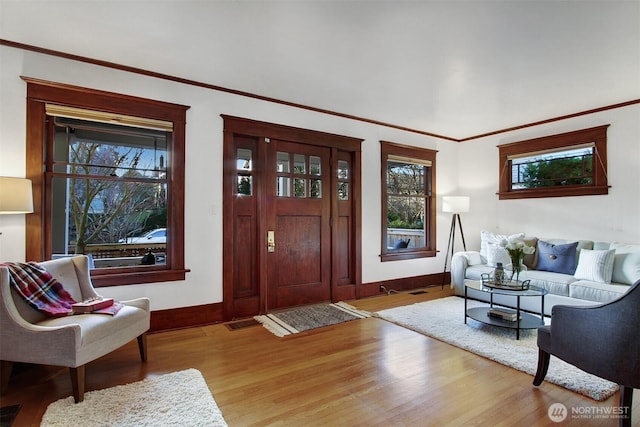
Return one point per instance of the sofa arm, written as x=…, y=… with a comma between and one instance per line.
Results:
x=459, y=264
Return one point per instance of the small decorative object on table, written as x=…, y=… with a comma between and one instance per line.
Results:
x=512, y=285
x=498, y=273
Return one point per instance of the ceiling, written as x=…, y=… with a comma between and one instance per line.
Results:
x=457, y=68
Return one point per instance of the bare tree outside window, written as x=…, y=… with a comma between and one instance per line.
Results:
x=113, y=186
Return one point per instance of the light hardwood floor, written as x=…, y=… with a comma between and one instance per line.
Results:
x=363, y=373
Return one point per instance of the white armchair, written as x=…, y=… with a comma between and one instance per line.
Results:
x=27, y=335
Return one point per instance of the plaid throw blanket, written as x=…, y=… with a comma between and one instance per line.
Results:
x=39, y=289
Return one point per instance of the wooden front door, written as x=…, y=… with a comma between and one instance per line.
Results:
x=291, y=219
x=298, y=194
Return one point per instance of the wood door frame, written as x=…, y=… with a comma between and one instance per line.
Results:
x=261, y=132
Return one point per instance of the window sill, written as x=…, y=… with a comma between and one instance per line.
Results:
x=399, y=256
x=104, y=279
x=554, y=192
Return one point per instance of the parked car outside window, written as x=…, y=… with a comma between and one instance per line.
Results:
x=158, y=235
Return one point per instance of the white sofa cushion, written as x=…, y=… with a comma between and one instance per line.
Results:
x=596, y=291
x=626, y=263
x=595, y=265
x=555, y=283
x=497, y=254
x=487, y=237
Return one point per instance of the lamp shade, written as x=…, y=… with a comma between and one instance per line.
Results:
x=16, y=196
x=455, y=204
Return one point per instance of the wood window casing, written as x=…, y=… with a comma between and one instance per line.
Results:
x=38, y=224
x=391, y=150
x=596, y=136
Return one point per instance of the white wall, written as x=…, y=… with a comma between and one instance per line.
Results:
x=469, y=168
x=203, y=197
x=612, y=217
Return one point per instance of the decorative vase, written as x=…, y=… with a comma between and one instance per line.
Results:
x=516, y=271
x=498, y=274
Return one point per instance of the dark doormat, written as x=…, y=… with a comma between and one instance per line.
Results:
x=241, y=324
x=418, y=292
x=8, y=415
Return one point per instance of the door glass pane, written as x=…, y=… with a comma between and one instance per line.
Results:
x=343, y=190
x=245, y=185
x=343, y=169
x=283, y=186
x=244, y=159
x=282, y=162
x=314, y=166
x=299, y=165
x=300, y=186
x=316, y=189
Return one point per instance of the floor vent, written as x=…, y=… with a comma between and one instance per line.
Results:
x=241, y=324
x=418, y=292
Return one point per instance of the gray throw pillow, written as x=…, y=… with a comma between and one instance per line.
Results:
x=557, y=258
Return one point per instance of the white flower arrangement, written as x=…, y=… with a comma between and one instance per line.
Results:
x=517, y=249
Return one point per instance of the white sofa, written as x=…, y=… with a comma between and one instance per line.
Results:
x=619, y=263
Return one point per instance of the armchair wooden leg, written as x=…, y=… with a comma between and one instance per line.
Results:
x=543, y=365
x=626, y=400
x=5, y=373
x=77, y=383
x=142, y=346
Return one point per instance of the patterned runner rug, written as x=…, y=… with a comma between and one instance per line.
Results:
x=309, y=317
x=443, y=319
x=177, y=399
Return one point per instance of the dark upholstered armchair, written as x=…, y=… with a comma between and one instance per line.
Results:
x=603, y=340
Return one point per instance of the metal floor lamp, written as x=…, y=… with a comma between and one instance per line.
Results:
x=455, y=205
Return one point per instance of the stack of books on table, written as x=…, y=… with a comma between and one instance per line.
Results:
x=502, y=313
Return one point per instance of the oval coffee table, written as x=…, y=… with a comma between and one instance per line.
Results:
x=523, y=320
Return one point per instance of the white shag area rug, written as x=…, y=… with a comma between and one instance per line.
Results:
x=177, y=399
x=443, y=319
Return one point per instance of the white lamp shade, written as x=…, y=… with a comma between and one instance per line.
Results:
x=16, y=196
x=455, y=204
